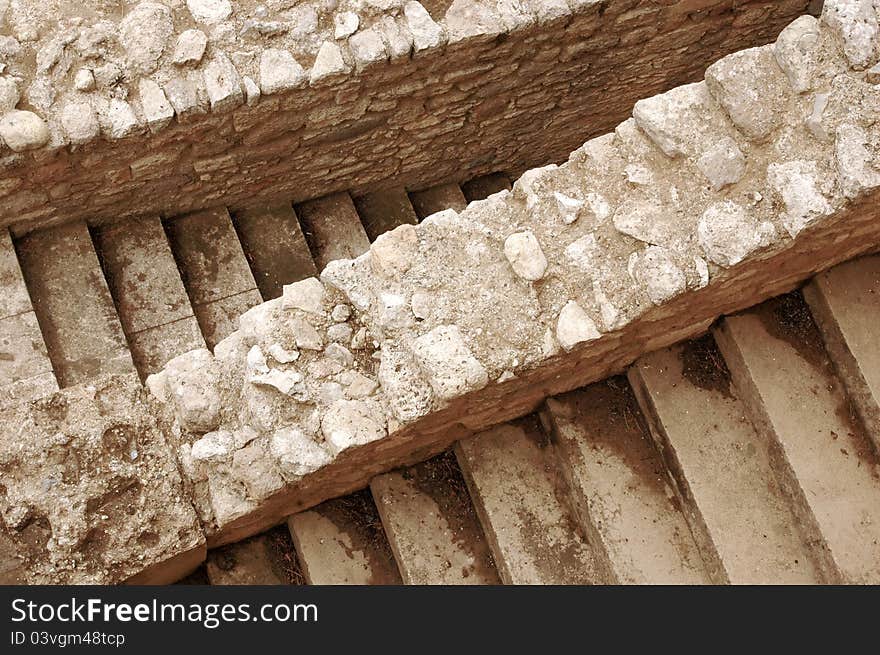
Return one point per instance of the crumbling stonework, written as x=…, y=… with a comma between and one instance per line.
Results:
x=472, y=318
x=176, y=106
x=90, y=492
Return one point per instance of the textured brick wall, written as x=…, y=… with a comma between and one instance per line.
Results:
x=475, y=105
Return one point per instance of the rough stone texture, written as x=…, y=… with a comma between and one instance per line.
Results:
x=269, y=90
x=448, y=340
x=89, y=497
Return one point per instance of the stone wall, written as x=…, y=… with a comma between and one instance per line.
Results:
x=402, y=101
x=713, y=197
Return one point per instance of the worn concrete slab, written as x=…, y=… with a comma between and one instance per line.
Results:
x=722, y=467
x=76, y=312
x=436, y=199
x=333, y=228
x=155, y=347
x=14, y=298
x=275, y=247
x=432, y=526
x=382, y=211
x=825, y=458
x=266, y=559
x=485, y=185
x=620, y=488
x=342, y=542
x=516, y=488
x=845, y=303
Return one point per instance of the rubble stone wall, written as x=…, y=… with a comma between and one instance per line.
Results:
x=176, y=107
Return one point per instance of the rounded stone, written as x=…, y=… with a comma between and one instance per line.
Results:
x=143, y=33
x=23, y=130
x=525, y=256
x=209, y=11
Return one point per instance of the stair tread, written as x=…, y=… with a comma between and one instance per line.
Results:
x=432, y=528
x=77, y=316
x=779, y=364
x=620, y=488
x=514, y=484
x=845, y=301
x=385, y=210
x=436, y=199
x=722, y=467
x=275, y=247
x=341, y=541
x=333, y=228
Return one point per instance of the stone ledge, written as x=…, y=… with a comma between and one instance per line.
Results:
x=713, y=198
x=299, y=113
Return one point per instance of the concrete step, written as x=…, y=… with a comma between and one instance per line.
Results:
x=825, y=459
x=385, y=210
x=845, y=302
x=333, y=229
x=214, y=269
x=431, y=525
x=267, y=559
x=153, y=307
x=436, y=199
x=620, y=488
x=722, y=468
x=25, y=369
x=342, y=541
x=512, y=475
x=77, y=317
x=484, y=186
x=275, y=247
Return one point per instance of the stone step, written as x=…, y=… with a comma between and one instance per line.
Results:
x=76, y=314
x=484, y=186
x=512, y=475
x=845, y=302
x=382, y=211
x=825, y=459
x=25, y=369
x=342, y=541
x=275, y=247
x=155, y=311
x=333, y=228
x=722, y=468
x=214, y=269
x=436, y=199
x=620, y=488
x=267, y=559
x=431, y=525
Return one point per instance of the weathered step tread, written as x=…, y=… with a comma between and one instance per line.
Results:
x=484, y=186
x=14, y=298
x=142, y=274
x=723, y=469
x=84, y=337
x=845, y=301
x=620, y=487
x=384, y=210
x=436, y=199
x=266, y=559
x=153, y=305
x=333, y=228
x=155, y=347
x=275, y=247
x=214, y=269
x=22, y=350
x=511, y=474
x=431, y=525
x=342, y=541
x=779, y=365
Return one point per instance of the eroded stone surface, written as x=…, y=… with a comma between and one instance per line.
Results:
x=89, y=496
